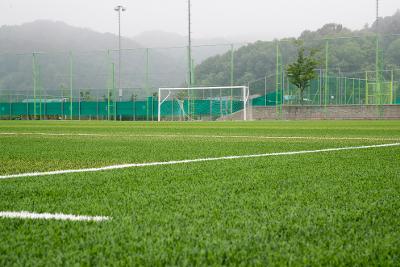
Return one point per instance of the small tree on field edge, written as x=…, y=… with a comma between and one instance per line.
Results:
x=302, y=71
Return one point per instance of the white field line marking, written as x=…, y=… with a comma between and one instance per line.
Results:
x=124, y=166
x=210, y=136
x=48, y=216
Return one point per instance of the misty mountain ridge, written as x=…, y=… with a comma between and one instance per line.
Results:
x=351, y=55
x=202, y=48
x=158, y=38
x=49, y=36
x=91, y=62
x=167, y=67
x=55, y=36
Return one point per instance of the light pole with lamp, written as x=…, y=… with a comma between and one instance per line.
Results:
x=119, y=9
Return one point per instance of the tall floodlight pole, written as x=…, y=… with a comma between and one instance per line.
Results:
x=189, y=44
x=377, y=14
x=119, y=9
x=377, y=63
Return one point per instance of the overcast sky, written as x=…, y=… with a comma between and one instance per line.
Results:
x=263, y=19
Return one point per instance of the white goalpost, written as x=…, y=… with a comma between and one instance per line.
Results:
x=203, y=103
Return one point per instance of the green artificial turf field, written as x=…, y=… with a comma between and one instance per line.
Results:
x=326, y=208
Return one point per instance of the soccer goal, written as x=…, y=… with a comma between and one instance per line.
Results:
x=203, y=103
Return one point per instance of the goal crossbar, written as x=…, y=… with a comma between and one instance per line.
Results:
x=201, y=88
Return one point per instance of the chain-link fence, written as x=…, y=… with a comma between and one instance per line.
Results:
x=123, y=85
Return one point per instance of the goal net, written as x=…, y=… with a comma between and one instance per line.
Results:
x=203, y=103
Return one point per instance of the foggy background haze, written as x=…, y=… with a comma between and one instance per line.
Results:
x=56, y=45
x=233, y=19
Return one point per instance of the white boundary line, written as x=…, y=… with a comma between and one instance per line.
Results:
x=209, y=136
x=125, y=166
x=48, y=216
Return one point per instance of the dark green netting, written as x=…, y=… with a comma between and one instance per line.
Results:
x=266, y=100
x=139, y=110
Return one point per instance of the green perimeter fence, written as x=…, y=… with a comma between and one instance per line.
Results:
x=353, y=70
x=325, y=91
x=135, y=110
